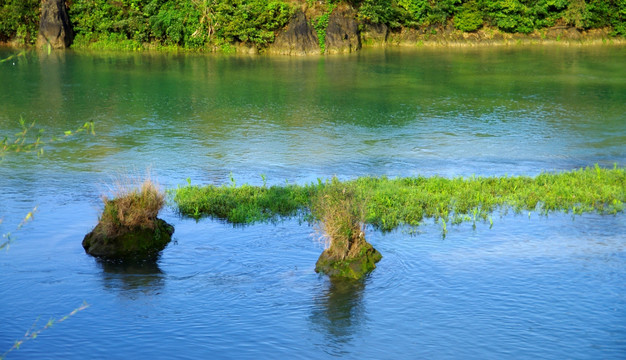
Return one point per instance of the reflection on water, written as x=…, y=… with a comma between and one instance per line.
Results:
x=132, y=278
x=338, y=312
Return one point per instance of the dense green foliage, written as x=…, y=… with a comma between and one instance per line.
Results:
x=390, y=203
x=523, y=16
x=197, y=24
x=19, y=21
x=191, y=24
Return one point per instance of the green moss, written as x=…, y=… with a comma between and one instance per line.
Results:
x=352, y=268
x=130, y=244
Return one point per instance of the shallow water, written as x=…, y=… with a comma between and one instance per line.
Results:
x=530, y=287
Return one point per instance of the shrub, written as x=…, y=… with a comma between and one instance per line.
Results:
x=19, y=20
x=511, y=15
x=184, y=23
x=378, y=12
x=251, y=21
x=469, y=18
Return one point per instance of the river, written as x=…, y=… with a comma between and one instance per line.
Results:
x=529, y=287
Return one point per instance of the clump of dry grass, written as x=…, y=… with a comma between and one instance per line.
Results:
x=342, y=219
x=135, y=204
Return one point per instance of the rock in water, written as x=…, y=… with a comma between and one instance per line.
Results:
x=129, y=244
x=54, y=25
x=353, y=268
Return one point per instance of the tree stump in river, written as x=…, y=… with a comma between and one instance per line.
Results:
x=349, y=266
x=140, y=243
x=128, y=228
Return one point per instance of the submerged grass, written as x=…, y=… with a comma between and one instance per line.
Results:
x=396, y=202
x=244, y=204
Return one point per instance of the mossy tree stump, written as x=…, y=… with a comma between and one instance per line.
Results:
x=139, y=243
x=128, y=228
x=354, y=267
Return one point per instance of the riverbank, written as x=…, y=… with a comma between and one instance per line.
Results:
x=304, y=27
x=449, y=37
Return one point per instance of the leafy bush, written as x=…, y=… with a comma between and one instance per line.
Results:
x=416, y=10
x=184, y=23
x=19, y=20
x=443, y=10
x=469, y=18
x=251, y=21
x=378, y=12
x=510, y=15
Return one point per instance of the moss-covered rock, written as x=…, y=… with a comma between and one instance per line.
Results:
x=354, y=267
x=138, y=243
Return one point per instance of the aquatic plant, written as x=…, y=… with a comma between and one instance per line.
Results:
x=395, y=202
x=32, y=334
x=245, y=204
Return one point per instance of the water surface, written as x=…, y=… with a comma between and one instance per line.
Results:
x=530, y=287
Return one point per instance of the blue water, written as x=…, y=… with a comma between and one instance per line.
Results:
x=529, y=287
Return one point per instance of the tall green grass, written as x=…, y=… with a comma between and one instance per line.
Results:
x=393, y=202
x=342, y=218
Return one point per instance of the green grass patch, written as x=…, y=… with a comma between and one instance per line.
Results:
x=245, y=204
x=390, y=203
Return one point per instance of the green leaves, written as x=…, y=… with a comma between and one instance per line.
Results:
x=189, y=24
x=19, y=20
x=470, y=18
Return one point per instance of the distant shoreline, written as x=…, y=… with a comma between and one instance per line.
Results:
x=404, y=38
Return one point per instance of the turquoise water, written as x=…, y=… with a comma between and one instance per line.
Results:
x=530, y=287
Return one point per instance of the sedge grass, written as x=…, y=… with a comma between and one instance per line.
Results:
x=342, y=220
x=135, y=204
x=395, y=202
